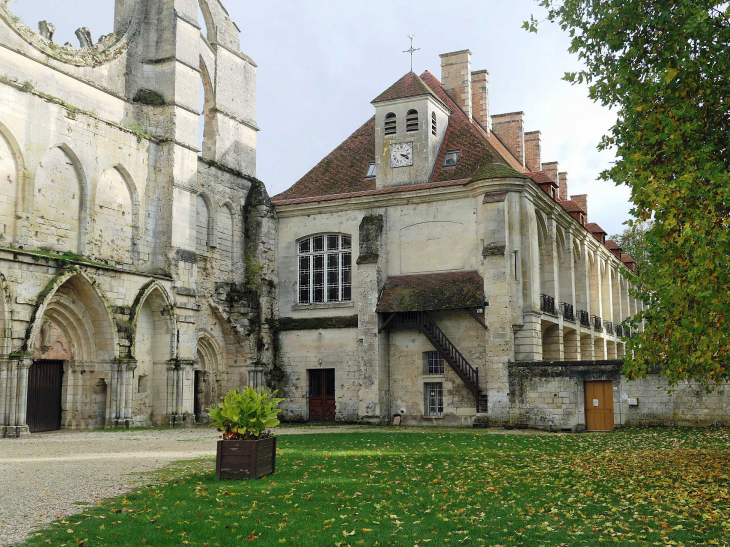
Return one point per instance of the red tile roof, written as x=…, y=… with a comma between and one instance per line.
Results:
x=278, y=200
x=611, y=244
x=426, y=292
x=571, y=206
x=409, y=85
x=343, y=170
x=594, y=228
x=541, y=177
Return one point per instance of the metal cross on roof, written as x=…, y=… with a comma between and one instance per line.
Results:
x=411, y=50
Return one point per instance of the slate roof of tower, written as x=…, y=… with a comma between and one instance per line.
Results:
x=343, y=170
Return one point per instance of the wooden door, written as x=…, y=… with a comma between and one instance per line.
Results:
x=599, y=406
x=197, y=395
x=322, y=395
x=45, y=379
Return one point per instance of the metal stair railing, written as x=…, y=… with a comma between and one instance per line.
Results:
x=424, y=323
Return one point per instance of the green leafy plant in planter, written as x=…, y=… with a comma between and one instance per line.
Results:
x=247, y=448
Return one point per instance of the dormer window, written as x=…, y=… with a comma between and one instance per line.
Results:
x=451, y=157
x=390, y=124
x=371, y=171
x=412, y=121
x=433, y=123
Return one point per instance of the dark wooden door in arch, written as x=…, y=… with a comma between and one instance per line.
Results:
x=45, y=384
x=322, y=395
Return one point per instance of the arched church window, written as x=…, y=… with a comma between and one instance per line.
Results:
x=324, y=269
x=412, y=120
x=433, y=123
x=390, y=120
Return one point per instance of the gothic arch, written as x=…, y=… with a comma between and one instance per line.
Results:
x=5, y=317
x=83, y=188
x=226, y=233
x=132, y=237
x=208, y=111
x=204, y=223
x=210, y=358
x=10, y=213
x=79, y=310
x=157, y=292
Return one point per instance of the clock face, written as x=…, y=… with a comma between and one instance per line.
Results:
x=401, y=154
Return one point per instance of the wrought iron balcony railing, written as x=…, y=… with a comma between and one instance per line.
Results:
x=597, y=323
x=547, y=304
x=609, y=327
x=568, y=314
x=620, y=331
x=584, y=319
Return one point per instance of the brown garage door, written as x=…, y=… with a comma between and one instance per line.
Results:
x=599, y=406
x=44, y=396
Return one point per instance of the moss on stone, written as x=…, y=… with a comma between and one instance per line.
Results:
x=496, y=171
x=316, y=323
x=149, y=97
x=371, y=230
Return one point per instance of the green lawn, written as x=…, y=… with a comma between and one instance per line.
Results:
x=442, y=487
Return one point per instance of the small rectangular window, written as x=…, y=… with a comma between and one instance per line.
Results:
x=371, y=171
x=434, y=363
x=318, y=244
x=434, y=399
x=451, y=157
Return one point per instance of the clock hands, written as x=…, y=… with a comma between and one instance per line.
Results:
x=405, y=156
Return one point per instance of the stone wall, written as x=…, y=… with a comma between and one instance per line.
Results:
x=550, y=395
x=143, y=263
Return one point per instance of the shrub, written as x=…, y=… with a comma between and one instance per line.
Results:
x=245, y=415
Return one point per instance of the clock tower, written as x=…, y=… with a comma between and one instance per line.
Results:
x=410, y=124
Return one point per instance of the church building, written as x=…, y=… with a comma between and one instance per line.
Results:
x=432, y=269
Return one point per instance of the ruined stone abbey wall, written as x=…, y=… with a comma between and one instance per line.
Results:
x=132, y=248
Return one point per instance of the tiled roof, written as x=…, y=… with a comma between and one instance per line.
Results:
x=426, y=292
x=409, y=85
x=571, y=206
x=626, y=258
x=343, y=170
x=611, y=244
x=278, y=200
x=594, y=228
x=540, y=177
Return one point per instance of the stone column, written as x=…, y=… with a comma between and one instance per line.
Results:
x=67, y=394
x=4, y=364
x=171, y=393
x=21, y=427
x=112, y=393
x=11, y=430
x=129, y=399
x=373, y=352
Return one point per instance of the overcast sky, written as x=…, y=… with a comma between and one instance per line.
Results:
x=321, y=62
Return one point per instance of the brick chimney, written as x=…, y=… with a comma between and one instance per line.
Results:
x=563, y=181
x=582, y=200
x=532, y=151
x=456, y=78
x=480, y=98
x=551, y=170
x=510, y=128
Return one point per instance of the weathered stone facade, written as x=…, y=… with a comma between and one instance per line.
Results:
x=470, y=196
x=143, y=263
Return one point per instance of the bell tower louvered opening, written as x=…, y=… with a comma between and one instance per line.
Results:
x=412, y=121
x=390, y=124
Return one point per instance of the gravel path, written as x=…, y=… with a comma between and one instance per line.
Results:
x=51, y=475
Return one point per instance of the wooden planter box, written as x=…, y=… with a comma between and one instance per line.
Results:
x=245, y=459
